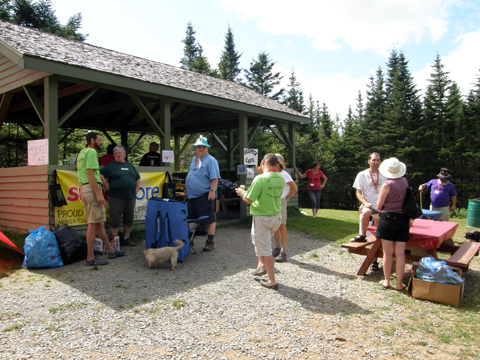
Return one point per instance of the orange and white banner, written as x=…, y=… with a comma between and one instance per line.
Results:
x=151, y=185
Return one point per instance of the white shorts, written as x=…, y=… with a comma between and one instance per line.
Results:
x=263, y=228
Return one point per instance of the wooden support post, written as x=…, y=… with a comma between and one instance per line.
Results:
x=165, y=125
x=50, y=116
x=243, y=143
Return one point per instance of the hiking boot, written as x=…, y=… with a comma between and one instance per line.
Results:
x=282, y=257
x=116, y=254
x=97, y=262
x=266, y=284
x=276, y=251
x=260, y=271
x=128, y=242
x=208, y=246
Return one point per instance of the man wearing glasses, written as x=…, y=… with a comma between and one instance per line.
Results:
x=201, y=186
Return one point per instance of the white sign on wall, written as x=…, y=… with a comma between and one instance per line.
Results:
x=167, y=156
x=37, y=152
x=250, y=157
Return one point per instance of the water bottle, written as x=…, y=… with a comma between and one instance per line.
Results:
x=72, y=160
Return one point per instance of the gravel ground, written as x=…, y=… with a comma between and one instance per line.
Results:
x=210, y=307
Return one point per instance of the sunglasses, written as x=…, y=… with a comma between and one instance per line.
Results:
x=200, y=147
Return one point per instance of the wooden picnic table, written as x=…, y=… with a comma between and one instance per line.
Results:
x=428, y=235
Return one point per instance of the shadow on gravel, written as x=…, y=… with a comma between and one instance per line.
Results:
x=320, y=269
x=321, y=304
x=127, y=282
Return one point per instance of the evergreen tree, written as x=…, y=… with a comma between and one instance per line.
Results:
x=190, y=50
x=326, y=125
x=294, y=97
x=41, y=16
x=201, y=64
x=230, y=60
x=375, y=116
x=261, y=78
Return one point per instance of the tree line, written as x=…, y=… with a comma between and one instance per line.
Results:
x=438, y=129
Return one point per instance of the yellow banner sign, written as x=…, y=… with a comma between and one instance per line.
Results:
x=72, y=214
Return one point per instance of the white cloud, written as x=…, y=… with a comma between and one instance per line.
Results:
x=337, y=91
x=377, y=25
x=462, y=64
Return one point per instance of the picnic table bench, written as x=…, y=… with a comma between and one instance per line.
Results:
x=428, y=235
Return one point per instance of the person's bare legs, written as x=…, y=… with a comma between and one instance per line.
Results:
x=388, y=248
x=211, y=229
x=282, y=236
x=114, y=231
x=126, y=231
x=91, y=233
x=314, y=212
x=100, y=229
x=400, y=263
x=364, y=220
x=269, y=263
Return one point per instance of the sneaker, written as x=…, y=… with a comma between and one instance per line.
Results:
x=276, y=251
x=97, y=262
x=260, y=271
x=282, y=257
x=209, y=246
x=128, y=242
x=116, y=254
x=266, y=284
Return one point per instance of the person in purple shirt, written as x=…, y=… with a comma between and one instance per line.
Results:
x=441, y=190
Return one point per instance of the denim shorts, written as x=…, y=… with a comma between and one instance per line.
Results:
x=393, y=227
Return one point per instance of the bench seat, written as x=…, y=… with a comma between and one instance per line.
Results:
x=357, y=245
x=462, y=257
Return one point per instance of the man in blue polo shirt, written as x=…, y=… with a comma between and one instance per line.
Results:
x=441, y=190
x=201, y=186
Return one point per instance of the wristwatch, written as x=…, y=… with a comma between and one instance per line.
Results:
x=212, y=189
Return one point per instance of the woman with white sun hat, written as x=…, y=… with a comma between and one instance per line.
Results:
x=393, y=227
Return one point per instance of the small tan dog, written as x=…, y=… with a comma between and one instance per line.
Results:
x=164, y=254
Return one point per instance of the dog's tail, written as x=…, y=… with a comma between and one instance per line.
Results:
x=180, y=244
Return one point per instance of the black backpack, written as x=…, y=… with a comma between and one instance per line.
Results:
x=410, y=207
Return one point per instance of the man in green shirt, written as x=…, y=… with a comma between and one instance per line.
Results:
x=93, y=200
x=264, y=197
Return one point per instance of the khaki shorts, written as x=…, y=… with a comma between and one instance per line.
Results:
x=93, y=214
x=263, y=228
x=284, y=211
x=445, y=212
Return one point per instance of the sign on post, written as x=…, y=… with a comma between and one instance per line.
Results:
x=37, y=152
x=250, y=157
x=167, y=156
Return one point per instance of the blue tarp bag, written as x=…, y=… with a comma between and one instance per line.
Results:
x=41, y=250
x=432, y=270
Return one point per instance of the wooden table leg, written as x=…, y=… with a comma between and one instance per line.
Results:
x=369, y=258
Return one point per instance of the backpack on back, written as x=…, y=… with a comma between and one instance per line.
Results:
x=410, y=207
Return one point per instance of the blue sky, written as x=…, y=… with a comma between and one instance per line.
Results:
x=333, y=46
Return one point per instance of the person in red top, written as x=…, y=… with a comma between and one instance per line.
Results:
x=314, y=186
x=107, y=159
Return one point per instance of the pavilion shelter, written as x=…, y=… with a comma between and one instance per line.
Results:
x=55, y=83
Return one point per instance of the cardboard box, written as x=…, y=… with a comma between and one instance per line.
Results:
x=436, y=292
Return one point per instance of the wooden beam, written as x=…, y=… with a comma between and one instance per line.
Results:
x=67, y=134
x=189, y=140
x=256, y=125
x=28, y=132
x=4, y=105
x=138, y=139
x=77, y=106
x=51, y=117
x=61, y=93
x=219, y=141
x=243, y=143
x=165, y=124
x=292, y=153
x=35, y=101
x=284, y=135
x=145, y=113
x=108, y=137
x=277, y=136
